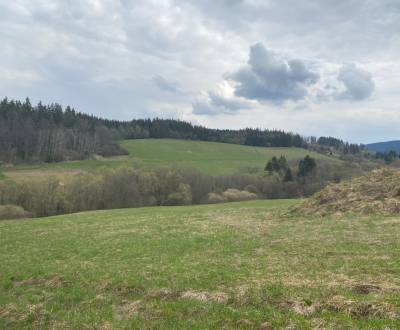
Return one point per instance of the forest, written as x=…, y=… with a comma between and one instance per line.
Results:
x=51, y=133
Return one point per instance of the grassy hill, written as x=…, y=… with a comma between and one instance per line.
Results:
x=209, y=157
x=240, y=265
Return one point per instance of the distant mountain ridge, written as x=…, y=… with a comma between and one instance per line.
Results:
x=384, y=146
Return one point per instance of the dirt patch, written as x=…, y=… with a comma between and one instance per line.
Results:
x=375, y=193
x=206, y=297
x=48, y=282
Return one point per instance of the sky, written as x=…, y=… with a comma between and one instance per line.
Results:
x=314, y=67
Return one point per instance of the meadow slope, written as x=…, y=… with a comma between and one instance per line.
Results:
x=209, y=157
x=238, y=265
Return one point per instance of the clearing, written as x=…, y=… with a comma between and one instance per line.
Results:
x=209, y=157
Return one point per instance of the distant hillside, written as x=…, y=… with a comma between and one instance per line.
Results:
x=209, y=157
x=384, y=146
x=51, y=133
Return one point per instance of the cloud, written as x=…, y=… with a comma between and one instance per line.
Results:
x=269, y=77
x=221, y=101
x=123, y=59
x=217, y=105
x=358, y=83
x=165, y=85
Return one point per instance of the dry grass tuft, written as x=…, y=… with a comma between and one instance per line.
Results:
x=375, y=193
x=366, y=288
x=299, y=307
x=127, y=309
x=245, y=323
x=204, y=296
x=163, y=294
x=340, y=304
x=265, y=326
x=358, y=309
x=48, y=282
x=12, y=314
x=105, y=326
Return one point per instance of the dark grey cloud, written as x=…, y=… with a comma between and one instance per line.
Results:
x=358, y=83
x=269, y=77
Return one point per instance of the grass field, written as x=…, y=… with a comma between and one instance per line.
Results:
x=209, y=157
x=240, y=265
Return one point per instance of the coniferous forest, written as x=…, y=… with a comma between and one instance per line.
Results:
x=51, y=133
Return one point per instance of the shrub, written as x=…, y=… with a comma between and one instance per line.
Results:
x=233, y=195
x=216, y=198
x=13, y=212
x=181, y=197
x=252, y=189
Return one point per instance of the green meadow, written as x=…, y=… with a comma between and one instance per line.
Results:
x=209, y=157
x=248, y=265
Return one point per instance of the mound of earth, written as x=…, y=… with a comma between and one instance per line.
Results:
x=376, y=192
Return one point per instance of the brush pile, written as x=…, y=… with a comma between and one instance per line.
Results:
x=378, y=192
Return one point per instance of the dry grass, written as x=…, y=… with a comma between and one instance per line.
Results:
x=375, y=193
x=13, y=212
x=41, y=174
x=127, y=309
x=49, y=282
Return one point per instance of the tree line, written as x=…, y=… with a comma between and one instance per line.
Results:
x=388, y=156
x=51, y=133
x=281, y=167
x=130, y=186
x=339, y=145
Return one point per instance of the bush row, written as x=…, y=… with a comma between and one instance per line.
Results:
x=134, y=187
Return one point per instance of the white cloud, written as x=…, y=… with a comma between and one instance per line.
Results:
x=111, y=58
x=358, y=83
